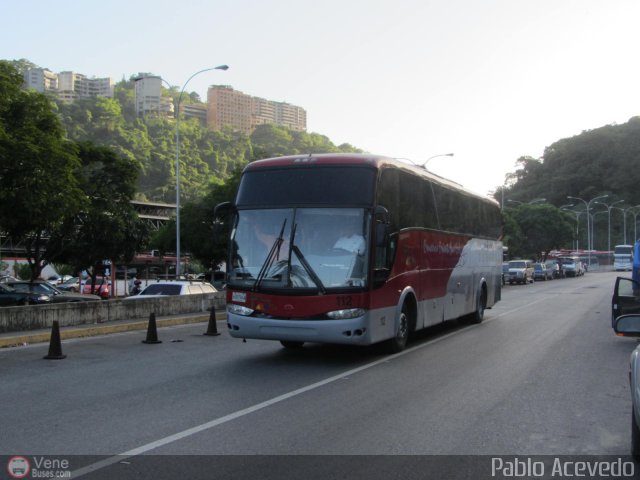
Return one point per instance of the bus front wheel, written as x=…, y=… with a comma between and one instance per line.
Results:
x=399, y=341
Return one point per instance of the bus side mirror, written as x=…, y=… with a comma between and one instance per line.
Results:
x=223, y=208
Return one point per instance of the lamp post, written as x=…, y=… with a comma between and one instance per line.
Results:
x=177, y=114
x=577, y=214
x=624, y=220
x=593, y=228
x=609, y=206
x=623, y=213
x=588, y=205
x=424, y=165
x=635, y=214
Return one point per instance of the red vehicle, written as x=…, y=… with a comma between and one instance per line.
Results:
x=356, y=249
x=102, y=287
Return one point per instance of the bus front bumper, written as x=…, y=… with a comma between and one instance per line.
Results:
x=352, y=331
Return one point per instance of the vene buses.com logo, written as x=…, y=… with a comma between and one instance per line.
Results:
x=18, y=467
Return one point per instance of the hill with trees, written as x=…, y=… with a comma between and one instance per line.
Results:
x=149, y=141
x=602, y=161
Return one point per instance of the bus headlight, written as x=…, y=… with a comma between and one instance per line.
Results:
x=345, y=314
x=239, y=309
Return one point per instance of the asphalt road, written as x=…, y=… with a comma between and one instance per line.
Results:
x=542, y=375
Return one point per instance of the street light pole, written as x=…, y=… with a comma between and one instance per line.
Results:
x=624, y=220
x=424, y=165
x=635, y=214
x=177, y=115
x=588, y=206
x=609, y=208
x=577, y=214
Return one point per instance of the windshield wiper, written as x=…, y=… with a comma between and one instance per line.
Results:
x=273, y=253
x=303, y=261
x=309, y=269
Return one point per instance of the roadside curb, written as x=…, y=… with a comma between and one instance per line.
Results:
x=79, y=331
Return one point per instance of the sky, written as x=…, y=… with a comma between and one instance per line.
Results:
x=487, y=80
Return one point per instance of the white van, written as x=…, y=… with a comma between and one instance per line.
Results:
x=572, y=266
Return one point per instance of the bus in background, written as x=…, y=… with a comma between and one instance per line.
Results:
x=623, y=258
x=356, y=249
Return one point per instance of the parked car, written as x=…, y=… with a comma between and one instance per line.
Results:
x=56, y=295
x=57, y=279
x=553, y=266
x=72, y=284
x=11, y=297
x=520, y=271
x=629, y=326
x=541, y=272
x=102, y=287
x=174, y=287
x=217, y=279
x=572, y=266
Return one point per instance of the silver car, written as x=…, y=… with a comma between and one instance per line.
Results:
x=520, y=271
x=629, y=326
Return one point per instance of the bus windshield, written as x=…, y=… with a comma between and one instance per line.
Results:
x=300, y=249
x=623, y=250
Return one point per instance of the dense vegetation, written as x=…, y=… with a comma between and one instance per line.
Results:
x=62, y=200
x=69, y=170
x=603, y=161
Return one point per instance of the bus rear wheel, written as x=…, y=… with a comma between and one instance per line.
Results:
x=291, y=344
x=481, y=305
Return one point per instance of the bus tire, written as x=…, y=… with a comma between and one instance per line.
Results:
x=399, y=341
x=291, y=344
x=481, y=305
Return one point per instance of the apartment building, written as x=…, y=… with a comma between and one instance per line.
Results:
x=73, y=85
x=40, y=79
x=149, y=99
x=229, y=107
x=225, y=106
x=286, y=115
x=68, y=85
x=195, y=110
x=148, y=96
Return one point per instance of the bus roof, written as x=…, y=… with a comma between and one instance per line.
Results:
x=375, y=161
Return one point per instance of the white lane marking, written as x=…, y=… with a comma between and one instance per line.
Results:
x=280, y=398
x=246, y=411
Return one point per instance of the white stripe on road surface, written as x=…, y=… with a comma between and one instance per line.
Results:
x=280, y=398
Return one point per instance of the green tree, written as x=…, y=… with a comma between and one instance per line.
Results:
x=197, y=226
x=108, y=228
x=38, y=187
x=537, y=229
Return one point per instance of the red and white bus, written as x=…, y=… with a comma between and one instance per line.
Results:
x=356, y=249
